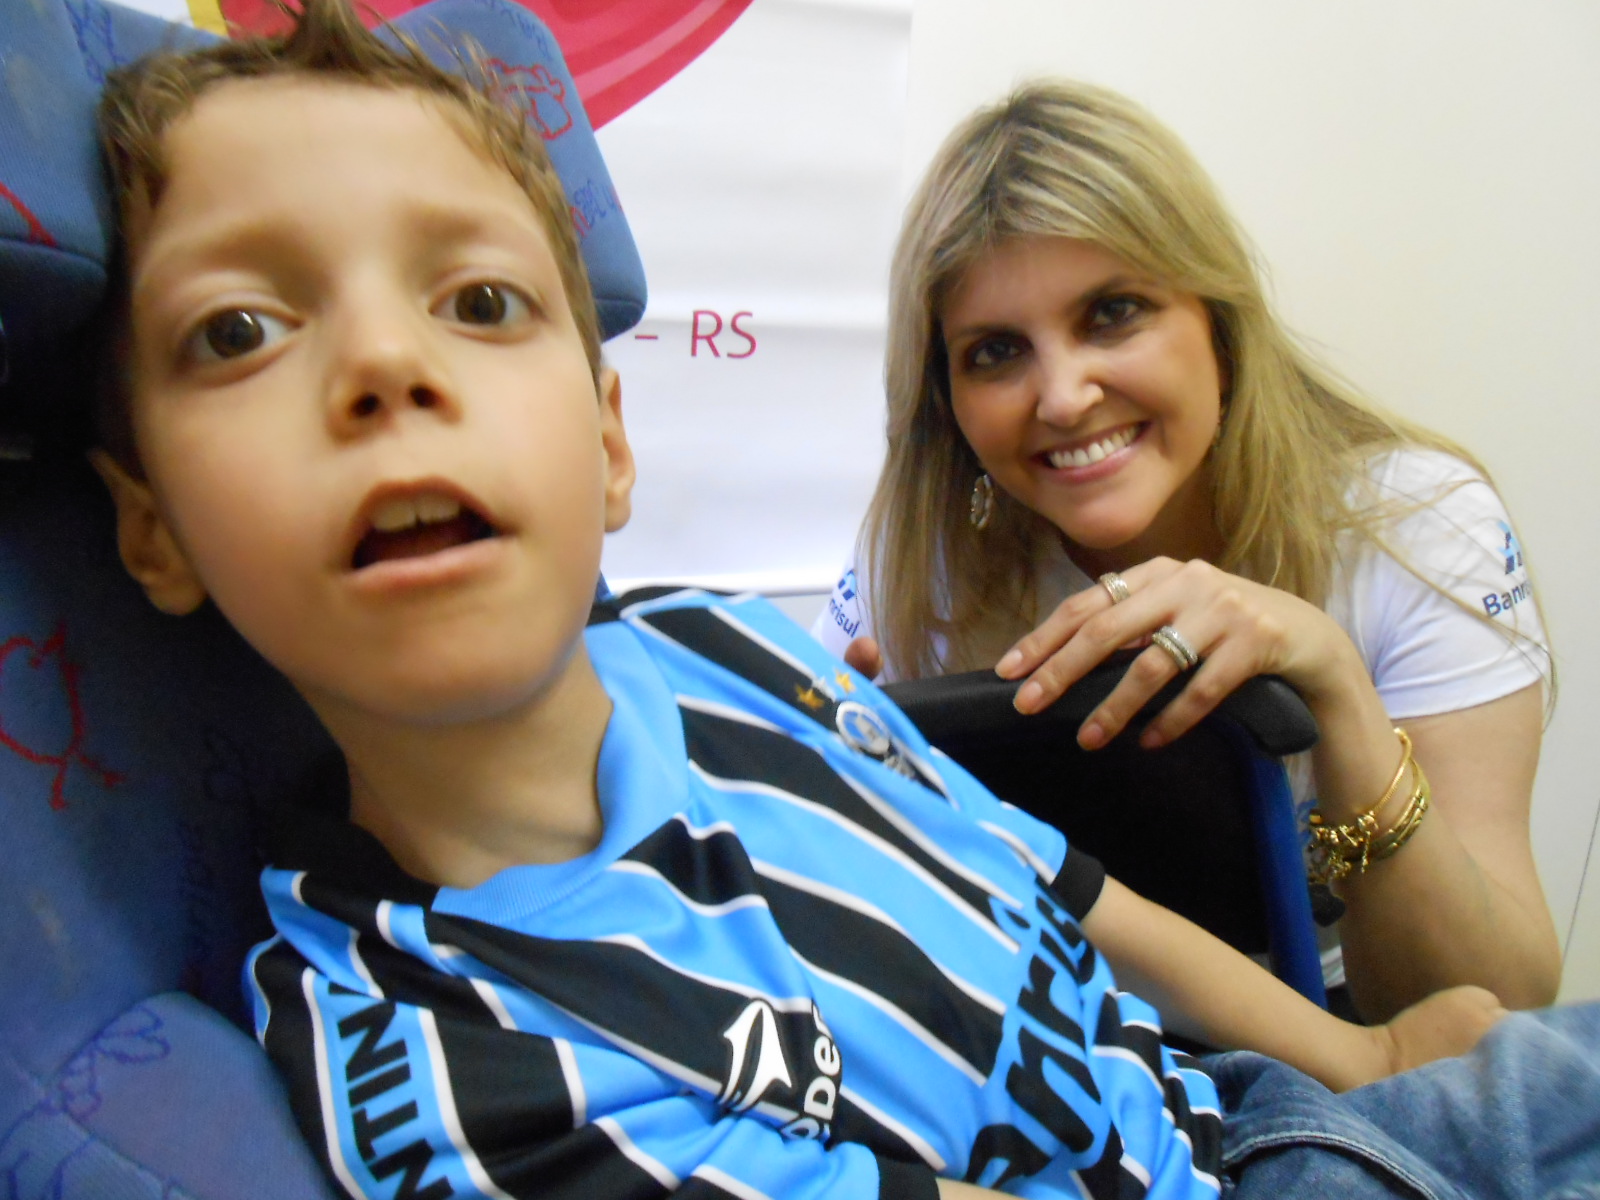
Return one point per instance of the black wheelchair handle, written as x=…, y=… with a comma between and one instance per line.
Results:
x=952, y=710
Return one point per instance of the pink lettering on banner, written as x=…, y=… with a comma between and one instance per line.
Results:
x=710, y=339
x=714, y=329
x=36, y=670
x=733, y=324
x=37, y=233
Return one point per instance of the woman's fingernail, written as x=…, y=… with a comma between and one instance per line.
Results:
x=1151, y=739
x=1007, y=665
x=1092, y=736
x=1028, y=697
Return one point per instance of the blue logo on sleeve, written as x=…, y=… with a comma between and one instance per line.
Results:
x=1512, y=549
x=1496, y=603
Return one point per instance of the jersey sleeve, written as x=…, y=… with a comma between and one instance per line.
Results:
x=431, y=1096
x=1443, y=611
x=844, y=617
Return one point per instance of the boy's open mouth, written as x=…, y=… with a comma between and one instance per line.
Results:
x=416, y=524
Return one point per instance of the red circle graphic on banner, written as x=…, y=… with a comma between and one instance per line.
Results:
x=619, y=51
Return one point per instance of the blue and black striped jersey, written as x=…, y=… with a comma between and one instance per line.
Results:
x=810, y=957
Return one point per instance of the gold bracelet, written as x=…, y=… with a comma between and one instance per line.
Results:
x=1337, y=850
x=1399, y=772
x=1406, y=825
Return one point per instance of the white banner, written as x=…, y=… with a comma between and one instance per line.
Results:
x=762, y=186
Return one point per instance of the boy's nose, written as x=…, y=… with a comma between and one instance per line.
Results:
x=384, y=370
x=371, y=404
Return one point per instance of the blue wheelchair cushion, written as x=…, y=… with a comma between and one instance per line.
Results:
x=138, y=751
x=93, y=1122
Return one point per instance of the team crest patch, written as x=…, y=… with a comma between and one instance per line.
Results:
x=864, y=730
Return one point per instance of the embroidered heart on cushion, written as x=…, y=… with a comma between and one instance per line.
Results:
x=41, y=711
x=38, y=699
x=619, y=51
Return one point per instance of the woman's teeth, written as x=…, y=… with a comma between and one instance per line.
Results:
x=1082, y=456
x=403, y=512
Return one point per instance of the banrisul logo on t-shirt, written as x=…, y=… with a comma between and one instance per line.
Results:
x=842, y=606
x=1516, y=588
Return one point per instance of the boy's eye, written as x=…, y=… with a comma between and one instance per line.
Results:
x=485, y=304
x=233, y=333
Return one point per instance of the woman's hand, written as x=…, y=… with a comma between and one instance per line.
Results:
x=1237, y=627
x=1462, y=903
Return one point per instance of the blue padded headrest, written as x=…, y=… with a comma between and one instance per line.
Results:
x=55, y=213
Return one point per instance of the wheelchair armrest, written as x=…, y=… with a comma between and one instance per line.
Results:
x=975, y=706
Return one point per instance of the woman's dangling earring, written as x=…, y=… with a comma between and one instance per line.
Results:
x=981, y=509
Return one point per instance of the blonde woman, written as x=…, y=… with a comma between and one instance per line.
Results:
x=1099, y=434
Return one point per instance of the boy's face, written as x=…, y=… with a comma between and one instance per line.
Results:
x=362, y=404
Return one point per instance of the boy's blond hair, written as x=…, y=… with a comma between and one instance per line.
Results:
x=141, y=102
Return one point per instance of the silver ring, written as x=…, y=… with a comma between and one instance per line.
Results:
x=1116, y=586
x=1176, y=645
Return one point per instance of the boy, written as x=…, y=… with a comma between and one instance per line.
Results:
x=654, y=896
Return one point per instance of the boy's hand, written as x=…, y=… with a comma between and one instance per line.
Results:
x=1443, y=1025
x=863, y=654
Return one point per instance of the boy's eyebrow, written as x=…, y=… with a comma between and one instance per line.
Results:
x=454, y=224
x=250, y=240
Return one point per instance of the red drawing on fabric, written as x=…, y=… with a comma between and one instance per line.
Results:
x=619, y=51
x=37, y=233
x=534, y=92
x=43, y=668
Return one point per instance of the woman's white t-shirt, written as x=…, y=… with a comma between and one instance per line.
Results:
x=1418, y=630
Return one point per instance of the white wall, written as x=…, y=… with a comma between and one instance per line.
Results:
x=1424, y=180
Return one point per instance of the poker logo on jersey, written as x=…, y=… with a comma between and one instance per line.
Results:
x=758, y=1064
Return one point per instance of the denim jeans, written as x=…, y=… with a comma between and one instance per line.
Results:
x=1517, y=1119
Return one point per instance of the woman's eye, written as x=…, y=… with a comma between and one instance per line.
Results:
x=486, y=304
x=233, y=333
x=991, y=352
x=1112, y=312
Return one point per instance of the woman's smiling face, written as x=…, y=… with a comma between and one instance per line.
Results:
x=1091, y=393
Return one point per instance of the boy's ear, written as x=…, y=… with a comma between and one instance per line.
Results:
x=615, y=451
x=149, y=551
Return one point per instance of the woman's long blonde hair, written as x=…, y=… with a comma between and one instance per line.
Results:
x=1062, y=159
